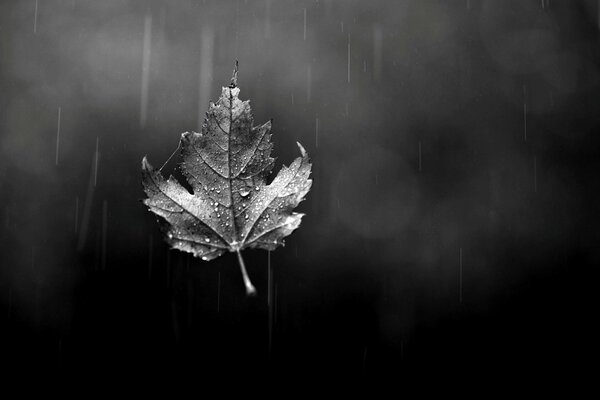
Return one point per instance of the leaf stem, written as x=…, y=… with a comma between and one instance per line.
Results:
x=250, y=290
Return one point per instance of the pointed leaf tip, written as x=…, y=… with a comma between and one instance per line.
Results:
x=186, y=135
x=234, y=76
x=146, y=166
x=302, y=150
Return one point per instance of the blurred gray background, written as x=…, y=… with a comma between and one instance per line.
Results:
x=452, y=215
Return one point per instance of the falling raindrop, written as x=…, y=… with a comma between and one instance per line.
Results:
x=460, y=275
x=168, y=270
x=35, y=17
x=57, y=135
x=308, y=82
x=145, y=69
x=9, y=308
x=38, y=295
x=317, y=131
x=268, y=19
x=305, y=24
x=87, y=207
x=534, y=174
x=525, y=121
x=524, y=113
x=275, y=306
x=270, y=299
x=174, y=320
x=190, y=300
x=104, y=229
x=97, y=156
x=377, y=51
x=150, y=239
x=420, y=156
x=348, y=57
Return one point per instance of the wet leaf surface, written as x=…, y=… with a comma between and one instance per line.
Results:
x=231, y=207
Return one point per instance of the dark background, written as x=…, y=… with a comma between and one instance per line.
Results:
x=450, y=232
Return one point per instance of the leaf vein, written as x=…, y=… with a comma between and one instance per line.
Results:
x=187, y=211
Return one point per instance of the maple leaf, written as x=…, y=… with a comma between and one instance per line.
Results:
x=232, y=207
